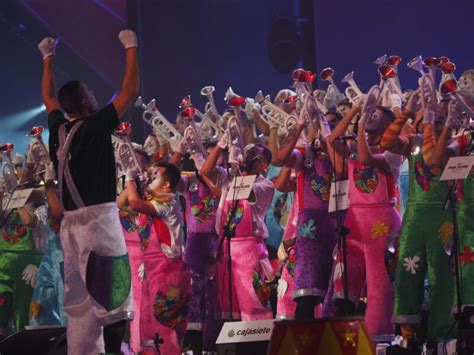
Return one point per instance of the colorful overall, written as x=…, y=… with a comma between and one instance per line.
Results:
x=17, y=252
x=371, y=218
x=199, y=256
x=136, y=231
x=250, y=293
x=46, y=307
x=285, y=305
x=277, y=214
x=426, y=231
x=465, y=214
x=165, y=295
x=316, y=234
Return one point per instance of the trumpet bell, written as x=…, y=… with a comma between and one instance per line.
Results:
x=447, y=67
x=348, y=78
x=387, y=71
x=430, y=62
x=207, y=90
x=449, y=86
x=188, y=112
x=394, y=60
x=233, y=100
x=124, y=129
x=36, y=132
x=416, y=63
x=326, y=74
x=381, y=60
x=185, y=102
x=138, y=102
x=7, y=148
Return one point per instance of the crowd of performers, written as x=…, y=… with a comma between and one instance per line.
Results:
x=155, y=259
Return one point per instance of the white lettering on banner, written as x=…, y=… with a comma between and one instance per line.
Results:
x=247, y=331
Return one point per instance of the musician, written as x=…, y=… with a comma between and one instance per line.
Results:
x=371, y=218
x=91, y=235
x=167, y=282
x=245, y=221
x=422, y=239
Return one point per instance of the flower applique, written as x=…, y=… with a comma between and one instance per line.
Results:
x=13, y=231
x=170, y=310
x=202, y=207
x=262, y=289
x=411, y=264
x=379, y=229
x=446, y=231
x=426, y=176
x=306, y=230
x=321, y=186
x=237, y=218
x=467, y=255
x=366, y=179
x=291, y=262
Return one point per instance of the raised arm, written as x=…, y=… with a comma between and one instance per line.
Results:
x=341, y=127
x=366, y=157
x=131, y=79
x=47, y=48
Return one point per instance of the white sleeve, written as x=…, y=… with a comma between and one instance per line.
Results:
x=299, y=159
x=395, y=162
x=162, y=209
x=41, y=214
x=455, y=147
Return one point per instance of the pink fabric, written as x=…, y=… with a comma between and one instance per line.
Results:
x=163, y=276
x=371, y=218
x=132, y=241
x=249, y=300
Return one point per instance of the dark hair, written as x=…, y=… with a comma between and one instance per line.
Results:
x=261, y=152
x=388, y=113
x=171, y=174
x=70, y=97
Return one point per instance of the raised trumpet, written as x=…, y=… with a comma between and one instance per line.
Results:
x=353, y=93
x=327, y=75
x=388, y=74
x=416, y=64
x=8, y=170
x=208, y=129
x=161, y=126
x=450, y=87
x=272, y=113
x=236, y=145
x=210, y=105
x=234, y=101
x=35, y=133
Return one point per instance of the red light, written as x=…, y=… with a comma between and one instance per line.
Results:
x=124, y=129
x=394, y=60
x=449, y=86
x=188, y=112
x=387, y=71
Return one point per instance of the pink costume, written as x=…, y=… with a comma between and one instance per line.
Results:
x=248, y=252
x=371, y=218
x=199, y=256
x=136, y=231
x=286, y=306
x=166, y=287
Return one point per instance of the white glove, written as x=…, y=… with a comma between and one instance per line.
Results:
x=151, y=144
x=161, y=140
x=224, y=140
x=281, y=289
x=454, y=119
x=131, y=175
x=50, y=174
x=198, y=160
x=18, y=159
x=303, y=116
x=141, y=272
x=182, y=147
x=30, y=159
x=29, y=275
x=128, y=38
x=47, y=47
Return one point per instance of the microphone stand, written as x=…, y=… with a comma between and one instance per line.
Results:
x=342, y=231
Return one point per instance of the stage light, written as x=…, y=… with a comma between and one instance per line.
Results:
x=15, y=121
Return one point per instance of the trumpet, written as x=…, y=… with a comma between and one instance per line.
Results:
x=234, y=101
x=8, y=170
x=387, y=77
x=449, y=87
x=353, y=92
x=303, y=80
x=327, y=75
x=210, y=105
x=208, y=129
x=272, y=113
x=417, y=64
x=370, y=103
x=191, y=135
x=160, y=124
x=236, y=146
x=43, y=155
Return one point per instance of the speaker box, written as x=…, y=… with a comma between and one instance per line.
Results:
x=337, y=336
x=36, y=340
